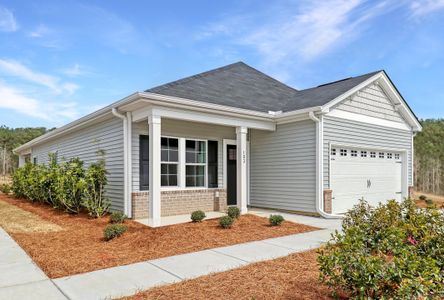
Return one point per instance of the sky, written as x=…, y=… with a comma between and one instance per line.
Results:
x=60, y=60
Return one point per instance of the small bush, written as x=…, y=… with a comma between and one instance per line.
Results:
x=5, y=188
x=197, y=216
x=114, y=230
x=233, y=212
x=117, y=217
x=429, y=201
x=276, y=220
x=392, y=251
x=226, y=221
x=423, y=197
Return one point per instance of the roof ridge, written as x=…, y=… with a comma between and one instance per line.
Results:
x=199, y=75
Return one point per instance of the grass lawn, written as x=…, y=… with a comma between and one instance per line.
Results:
x=78, y=246
x=438, y=200
x=291, y=277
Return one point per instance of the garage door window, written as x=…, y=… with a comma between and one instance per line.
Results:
x=343, y=152
x=354, y=153
x=333, y=151
x=363, y=153
x=381, y=154
x=397, y=156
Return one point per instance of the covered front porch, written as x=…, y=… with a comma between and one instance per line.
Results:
x=180, y=160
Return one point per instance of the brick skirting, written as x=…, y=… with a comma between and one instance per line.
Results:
x=411, y=192
x=328, y=201
x=180, y=202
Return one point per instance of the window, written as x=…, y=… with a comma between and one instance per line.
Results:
x=397, y=156
x=381, y=154
x=144, y=166
x=212, y=164
x=372, y=154
x=343, y=152
x=195, y=163
x=169, y=161
x=389, y=155
x=354, y=153
x=363, y=153
x=333, y=151
x=34, y=160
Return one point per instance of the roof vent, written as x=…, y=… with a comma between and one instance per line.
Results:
x=274, y=113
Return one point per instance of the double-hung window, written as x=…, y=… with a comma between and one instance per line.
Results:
x=195, y=163
x=169, y=161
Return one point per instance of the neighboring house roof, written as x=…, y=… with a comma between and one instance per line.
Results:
x=239, y=85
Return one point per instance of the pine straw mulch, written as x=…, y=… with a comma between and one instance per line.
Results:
x=80, y=246
x=292, y=277
x=437, y=200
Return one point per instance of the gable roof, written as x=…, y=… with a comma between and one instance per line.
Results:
x=239, y=85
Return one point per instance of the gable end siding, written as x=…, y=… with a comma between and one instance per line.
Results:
x=373, y=102
x=84, y=143
x=283, y=167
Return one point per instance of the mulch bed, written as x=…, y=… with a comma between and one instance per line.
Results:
x=292, y=277
x=79, y=247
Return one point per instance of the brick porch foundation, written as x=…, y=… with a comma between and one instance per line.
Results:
x=411, y=192
x=180, y=202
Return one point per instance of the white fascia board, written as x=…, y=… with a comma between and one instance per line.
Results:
x=402, y=107
x=381, y=79
x=296, y=115
x=79, y=123
x=203, y=117
x=367, y=119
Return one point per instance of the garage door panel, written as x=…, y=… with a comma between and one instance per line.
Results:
x=375, y=176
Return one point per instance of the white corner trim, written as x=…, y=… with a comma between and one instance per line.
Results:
x=367, y=119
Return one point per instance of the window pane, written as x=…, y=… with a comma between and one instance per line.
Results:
x=200, y=170
x=190, y=181
x=172, y=180
x=174, y=155
x=164, y=155
x=190, y=157
x=164, y=180
x=200, y=181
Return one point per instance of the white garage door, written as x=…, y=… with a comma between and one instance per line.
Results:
x=373, y=175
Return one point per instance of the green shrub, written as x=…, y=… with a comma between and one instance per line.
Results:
x=276, y=220
x=393, y=251
x=67, y=185
x=117, y=217
x=93, y=198
x=5, y=188
x=197, y=216
x=226, y=221
x=423, y=197
x=429, y=201
x=113, y=230
x=233, y=212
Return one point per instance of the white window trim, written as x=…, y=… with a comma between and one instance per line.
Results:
x=184, y=164
x=171, y=187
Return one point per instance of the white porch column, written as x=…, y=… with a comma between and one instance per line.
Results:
x=22, y=160
x=154, y=123
x=241, y=141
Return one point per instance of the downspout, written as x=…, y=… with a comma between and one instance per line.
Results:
x=319, y=168
x=125, y=161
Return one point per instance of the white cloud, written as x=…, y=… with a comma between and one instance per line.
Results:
x=76, y=70
x=53, y=83
x=7, y=20
x=40, y=31
x=424, y=7
x=302, y=32
x=56, y=113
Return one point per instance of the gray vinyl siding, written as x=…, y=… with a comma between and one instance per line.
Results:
x=177, y=128
x=84, y=143
x=343, y=131
x=373, y=102
x=283, y=167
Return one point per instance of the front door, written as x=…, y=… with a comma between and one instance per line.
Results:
x=231, y=175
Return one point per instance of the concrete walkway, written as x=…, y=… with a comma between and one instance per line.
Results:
x=20, y=278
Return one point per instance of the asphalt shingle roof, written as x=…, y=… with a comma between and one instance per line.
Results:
x=239, y=85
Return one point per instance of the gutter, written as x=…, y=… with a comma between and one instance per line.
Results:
x=320, y=168
x=127, y=180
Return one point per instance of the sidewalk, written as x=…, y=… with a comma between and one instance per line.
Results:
x=127, y=280
x=20, y=278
